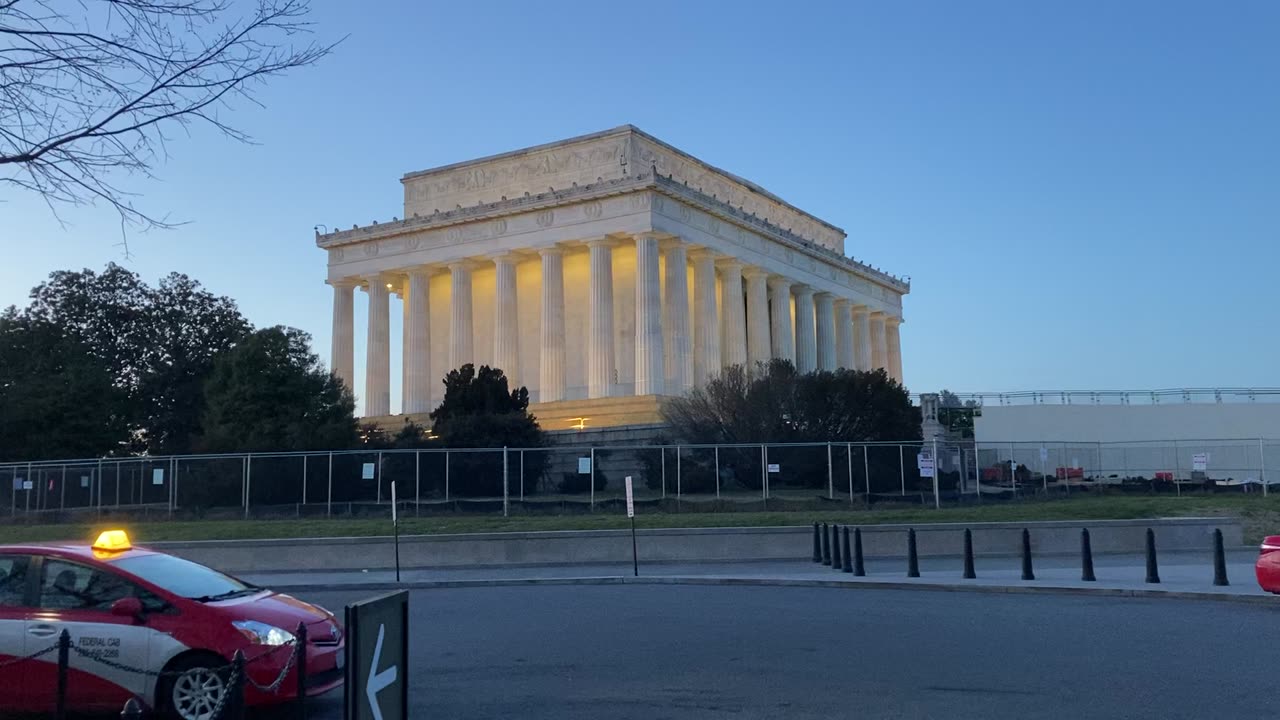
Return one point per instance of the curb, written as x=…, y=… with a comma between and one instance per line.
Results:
x=788, y=582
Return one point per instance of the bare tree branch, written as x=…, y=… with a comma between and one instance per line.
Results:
x=87, y=87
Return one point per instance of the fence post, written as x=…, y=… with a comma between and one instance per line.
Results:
x=417, y=480
x=1262, y=465
x=718, y=471
x=663, y=461
x=902, y=471
x=98, y=484
x=679, y=486
x=446, y=476
x=591, y=480
x=937, y=465
x=248, y=482
x=118, y=464
x=506, y=494
x=831, y=485
x=304, y=479
x=62, y=491
x=1177, y=463
x=848, y=456
x=377, y=473
x=522, y=476
x=866, y=471
x=328, y=501
x=64, y=651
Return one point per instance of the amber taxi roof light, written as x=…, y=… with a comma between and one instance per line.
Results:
x=112, y=541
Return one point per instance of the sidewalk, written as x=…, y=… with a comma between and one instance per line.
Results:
x=1183, y=575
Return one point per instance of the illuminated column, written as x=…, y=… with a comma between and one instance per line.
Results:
x=706, y=323
x=377, y=364
x=824, y=306
x=649, y=357
x=416, y=373
x=806, y=341
x=733, y=348
x=784, y=337
x=675, y=318
x=461, y=347
x=844, y=335
x=862, y=337
x=342, y=351
x=879, y=355
x=600, y=364
x=758, y=347
x=506, y=353
x=551, y=358
x=893, y=345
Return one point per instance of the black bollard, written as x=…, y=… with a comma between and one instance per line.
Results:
x=64, y=651
x=859, y=568
x=817, y=544
x=826, y=545
x=234, y=707
x=913, y=561
x=835, y=548
x=969, y=574
x=848, y=559
x=1219, y=560
x=1086, y=557
x=1027, y=573
x=132, y=710
x=300, y=647
x=1153, y=568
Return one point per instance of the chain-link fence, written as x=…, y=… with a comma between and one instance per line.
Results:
x=583, y=479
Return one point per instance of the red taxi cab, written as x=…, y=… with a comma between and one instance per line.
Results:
x=151, y=626
x=1267, y=567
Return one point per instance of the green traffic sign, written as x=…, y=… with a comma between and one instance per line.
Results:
x=377, y=658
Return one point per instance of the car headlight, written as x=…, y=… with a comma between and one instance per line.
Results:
x=262, y=633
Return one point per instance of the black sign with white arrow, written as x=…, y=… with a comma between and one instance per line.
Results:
x=377, y=675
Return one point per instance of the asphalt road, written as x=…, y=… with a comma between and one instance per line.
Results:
x=652, y=652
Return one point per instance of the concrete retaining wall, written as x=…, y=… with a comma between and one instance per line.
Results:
x=687, y=545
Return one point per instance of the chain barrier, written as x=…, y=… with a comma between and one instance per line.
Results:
x=89, y=654
x=274, y=686
x=232, y=680
x=32, y=656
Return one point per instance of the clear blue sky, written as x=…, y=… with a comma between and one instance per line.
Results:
x=1086, y=195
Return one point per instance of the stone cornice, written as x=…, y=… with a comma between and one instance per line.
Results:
x=608, y=188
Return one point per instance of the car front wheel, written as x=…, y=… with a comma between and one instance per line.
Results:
x=197, y=690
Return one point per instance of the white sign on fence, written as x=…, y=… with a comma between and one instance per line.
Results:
x=366, y=471
x=1044, y=455
x=926, y=467
x=584, y=466
x=1200, y=462
x=631, y=505
x=84, y=481
x=775, y=468
x=157, y=476
x=920, y=458
x=17, y=483
x=27, y=485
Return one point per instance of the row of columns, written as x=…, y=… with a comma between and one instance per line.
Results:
x=829, y=332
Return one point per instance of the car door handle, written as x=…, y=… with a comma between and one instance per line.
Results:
x=42, y=630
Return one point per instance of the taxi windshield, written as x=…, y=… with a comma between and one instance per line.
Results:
x=183, y=577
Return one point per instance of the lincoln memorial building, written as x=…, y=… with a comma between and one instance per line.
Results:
x=602, y=272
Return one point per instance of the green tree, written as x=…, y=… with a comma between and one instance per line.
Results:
x=271, y=393
x=956, y=416
x=58, y=399
x=480, y=411
x=159, y=344
x=777, y=404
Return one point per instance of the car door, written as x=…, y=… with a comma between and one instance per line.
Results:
x=108, y=652
x=14, y=606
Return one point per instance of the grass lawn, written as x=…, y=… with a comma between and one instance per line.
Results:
x=1261, y=517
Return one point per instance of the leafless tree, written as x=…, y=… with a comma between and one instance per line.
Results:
x=89, y=88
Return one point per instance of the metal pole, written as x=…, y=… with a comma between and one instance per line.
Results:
x=902, y=471
x=1262, y=465
x=118, y=464
x=506, y=494
x=848, y=456
x=764, y=474
x=62, y=491
x=1177, y=463
x=679, y=486
x=176, y=466
x=866, y=472
x=304, y=480
x=97, y=483
x=248, y=482
x=377, y=473
x=663, y=461
x=417, y=481
x=592, y=478
x=446, y=476
x=937, y=501
x=1013, y=469
x=328, y=502
x=717, y=472
x=831, y=484
x=522, y=476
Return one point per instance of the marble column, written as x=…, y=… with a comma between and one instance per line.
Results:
x=893, y=345
x=733, y=344
x=879, y=354
x=759, y=349
x=552, y=337
x=806, y=338
x=784, y=337
x=416, y=373
x=600, y=365
x=342, y=350
x=706, y=321
x=844, y=335
x=675, y=318
x=824, y=305
x=861, y=337
x=649, y=356
x=377, y=364
x=461, y=345
x=506, y=349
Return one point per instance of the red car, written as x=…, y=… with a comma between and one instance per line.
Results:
x=128, y=610
x=1268, y=565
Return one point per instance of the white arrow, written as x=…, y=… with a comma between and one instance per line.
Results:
x=378, y=680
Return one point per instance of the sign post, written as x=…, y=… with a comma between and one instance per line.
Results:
x=377, y=657
x=631, y=513
x=395, y=528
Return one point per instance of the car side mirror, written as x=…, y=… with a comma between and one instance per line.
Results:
x=130, y=607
